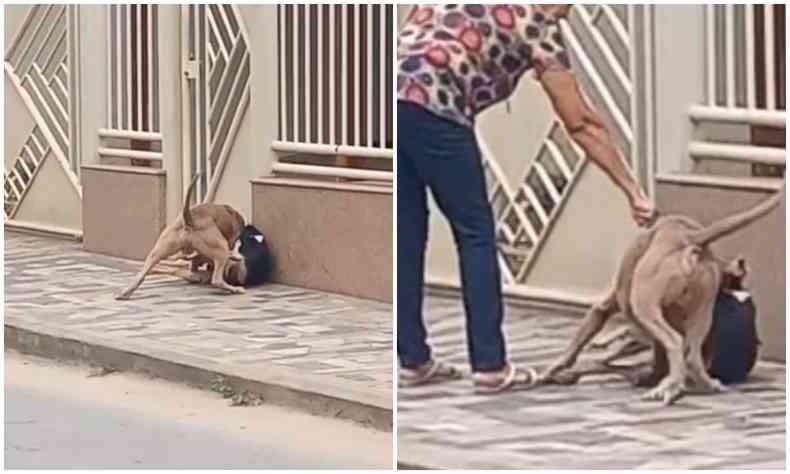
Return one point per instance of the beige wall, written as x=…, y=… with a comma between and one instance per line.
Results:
x=113, y=227
x=51, y=199
x=18, y=122
x=328, y=236
x=587, y=242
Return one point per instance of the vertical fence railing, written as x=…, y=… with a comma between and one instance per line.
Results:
x=744, y=65
x=335, y=82
x=132, y=94
x=601, y=40
x=744, y=79
x=218, y=91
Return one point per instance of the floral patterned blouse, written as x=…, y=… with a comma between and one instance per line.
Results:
x=457, y=60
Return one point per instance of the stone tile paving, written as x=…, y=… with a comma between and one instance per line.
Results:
x=600, y=423
x=334, y=337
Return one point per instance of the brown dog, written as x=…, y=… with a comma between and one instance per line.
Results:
x=667, y=285
x=628, y=340
x=211, y=230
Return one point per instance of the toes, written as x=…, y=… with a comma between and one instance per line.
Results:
x=651, y=395
x=666, y=394
x=670, y=396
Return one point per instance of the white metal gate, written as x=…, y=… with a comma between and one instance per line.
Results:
x=611, y=50
x=38, y=64
x=217, y=75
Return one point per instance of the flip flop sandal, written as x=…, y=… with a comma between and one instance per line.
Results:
x=437, y=373
x=516, y=379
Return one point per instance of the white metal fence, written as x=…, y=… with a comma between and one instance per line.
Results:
x=745, y=78
x=132, y=85
x=38, y=65
x=218, y=82
x=745, y=66
x=335, y=87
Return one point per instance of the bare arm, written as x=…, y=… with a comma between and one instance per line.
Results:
x=587, y=129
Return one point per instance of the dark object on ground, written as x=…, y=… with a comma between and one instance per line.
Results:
x=735, y=334
x=257, y=259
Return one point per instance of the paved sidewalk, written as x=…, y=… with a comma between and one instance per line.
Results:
x=335, y=347
x=601, y=423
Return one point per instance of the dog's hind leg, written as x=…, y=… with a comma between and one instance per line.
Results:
x=593, y=321
x=167, y=245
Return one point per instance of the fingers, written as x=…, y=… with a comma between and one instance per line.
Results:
x=643, y=211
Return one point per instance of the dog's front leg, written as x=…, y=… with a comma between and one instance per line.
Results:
x=698, y=324
x=218, y=276
x=593, y=321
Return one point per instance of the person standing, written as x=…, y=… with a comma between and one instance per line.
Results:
x=455, y=61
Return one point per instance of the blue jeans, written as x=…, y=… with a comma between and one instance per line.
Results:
x=441, y=156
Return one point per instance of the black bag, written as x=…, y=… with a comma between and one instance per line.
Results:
x=735, y=338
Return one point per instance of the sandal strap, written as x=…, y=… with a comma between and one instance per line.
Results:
x=436, y=370
x=514, y=376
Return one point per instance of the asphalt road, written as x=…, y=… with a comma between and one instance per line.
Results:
x=57, y=416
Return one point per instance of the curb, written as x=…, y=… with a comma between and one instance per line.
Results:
x=277, y=390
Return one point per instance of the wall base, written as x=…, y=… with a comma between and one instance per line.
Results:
x=123, y=209
x=328, y=236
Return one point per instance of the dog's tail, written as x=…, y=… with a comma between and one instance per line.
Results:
x=185, y=211
x=730, y=224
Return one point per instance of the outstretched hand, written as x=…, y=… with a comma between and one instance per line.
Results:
x=643, y=210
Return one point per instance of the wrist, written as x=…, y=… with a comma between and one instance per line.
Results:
x=635, y=192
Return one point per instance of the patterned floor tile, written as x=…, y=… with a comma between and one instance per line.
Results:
x=600, y=423
x=309, y=331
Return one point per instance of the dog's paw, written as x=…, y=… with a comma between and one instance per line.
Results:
x=565, y=378
x=548, y=377
x=667, y=392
